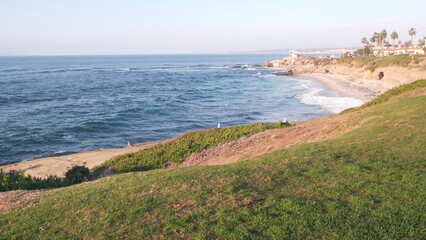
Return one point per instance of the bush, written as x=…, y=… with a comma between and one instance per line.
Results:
x=77, y=174
x=18, y=181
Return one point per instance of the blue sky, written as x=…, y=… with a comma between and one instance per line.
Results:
x=67, y=27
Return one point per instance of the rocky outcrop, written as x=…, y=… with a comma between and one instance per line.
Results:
x=414, y=71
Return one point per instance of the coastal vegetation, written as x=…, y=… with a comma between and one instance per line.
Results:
x=365, y=184
x=176, y=152
x=420, y=84
x=159, y=156
x=18, y=181
x=372, y=63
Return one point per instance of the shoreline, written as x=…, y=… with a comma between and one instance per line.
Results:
x=350, y=80
x=347, y=87
x=58, y=165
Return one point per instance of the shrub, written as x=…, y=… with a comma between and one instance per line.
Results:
x=77, y=174
x=18, y=181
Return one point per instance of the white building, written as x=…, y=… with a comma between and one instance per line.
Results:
x=400, y=49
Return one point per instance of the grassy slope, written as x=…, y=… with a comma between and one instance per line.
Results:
x=367, y=184
x=177, y=151
x=372, y=63
x=390, y=94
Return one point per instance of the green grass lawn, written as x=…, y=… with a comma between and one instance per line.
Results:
x=367, y=184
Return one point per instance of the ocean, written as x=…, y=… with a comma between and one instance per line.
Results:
x=53, y=106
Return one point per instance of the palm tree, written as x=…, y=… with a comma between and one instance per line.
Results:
x=412, y=32
x=374, y=38
x=383, y=35
x=422, y=42
x=394, y=36
x=364, y=41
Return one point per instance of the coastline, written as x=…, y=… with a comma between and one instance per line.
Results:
x=350, y=80
x=363, y=89
x=59, y=165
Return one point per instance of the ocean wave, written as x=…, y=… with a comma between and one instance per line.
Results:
x=113, y=69
x=11, y=70
x=219, y=67
x=243, y=66
x=57, y=153
x=176, y=69
x=61, y=70
x=270, y=75
x=331, y=104
x=199, y=66
x=99, y=126
x=68, y=136
x=125, y=69
x=257, y=74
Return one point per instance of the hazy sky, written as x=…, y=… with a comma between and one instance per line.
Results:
x=56, y=27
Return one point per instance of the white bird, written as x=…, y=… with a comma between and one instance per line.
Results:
x=218, y=125
x=129, y=144
x=285, y=121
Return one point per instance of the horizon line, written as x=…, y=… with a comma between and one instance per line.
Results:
x=253, y=52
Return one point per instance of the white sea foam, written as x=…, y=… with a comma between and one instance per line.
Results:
x=219, y=67
x=68, y=136
x=332, y=104
x=269, y=75
x=125, y=69
x=257, y=74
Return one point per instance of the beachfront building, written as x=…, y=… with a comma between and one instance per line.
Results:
x=399, y=49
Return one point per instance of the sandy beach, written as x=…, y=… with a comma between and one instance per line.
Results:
x=364, y=89
x=351, y=81
x=360, y=88
x=44, y=167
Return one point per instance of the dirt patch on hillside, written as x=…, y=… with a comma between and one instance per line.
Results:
x=413, y=93
x=19, y=199
x=315, y=130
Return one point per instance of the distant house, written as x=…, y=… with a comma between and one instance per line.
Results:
x=294, y=54
x=399, y=49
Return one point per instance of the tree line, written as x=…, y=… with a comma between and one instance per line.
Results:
x=379, y=38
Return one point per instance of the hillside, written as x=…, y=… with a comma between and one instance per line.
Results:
x=399, y=69
x=366, y=182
